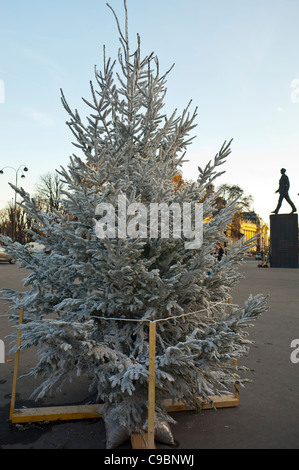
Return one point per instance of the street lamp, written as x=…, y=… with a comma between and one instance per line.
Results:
x=22, y=168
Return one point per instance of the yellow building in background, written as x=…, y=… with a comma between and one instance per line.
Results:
x=244, y=224
x=249, y=225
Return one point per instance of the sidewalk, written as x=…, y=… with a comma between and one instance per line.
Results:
x=267, y=418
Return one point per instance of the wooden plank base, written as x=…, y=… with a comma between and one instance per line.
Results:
x=56, y=413
x=225, y=401
x=66, y=413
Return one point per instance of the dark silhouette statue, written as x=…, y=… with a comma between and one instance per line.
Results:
x=283, y=190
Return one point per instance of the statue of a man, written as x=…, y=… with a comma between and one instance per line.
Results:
x=283, y=190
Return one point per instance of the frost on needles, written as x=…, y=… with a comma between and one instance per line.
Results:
x=77, y=295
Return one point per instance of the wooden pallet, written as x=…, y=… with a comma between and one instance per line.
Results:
x=75, y=412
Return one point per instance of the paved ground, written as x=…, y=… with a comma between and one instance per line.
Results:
x=268, y=417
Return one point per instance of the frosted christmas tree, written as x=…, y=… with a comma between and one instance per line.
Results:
x=111, y=269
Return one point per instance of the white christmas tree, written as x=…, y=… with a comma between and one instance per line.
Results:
x=89, y=301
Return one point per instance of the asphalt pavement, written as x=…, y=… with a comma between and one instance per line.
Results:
x=268, y=415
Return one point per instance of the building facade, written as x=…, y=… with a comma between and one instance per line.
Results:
x=252, y=225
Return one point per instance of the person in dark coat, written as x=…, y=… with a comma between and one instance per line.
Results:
x=283, y=190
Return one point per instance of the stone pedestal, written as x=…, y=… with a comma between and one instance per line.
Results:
x=284, y=240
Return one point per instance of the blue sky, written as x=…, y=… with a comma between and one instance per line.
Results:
x=236, y=59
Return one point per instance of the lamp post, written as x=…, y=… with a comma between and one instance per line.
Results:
x=22, y=168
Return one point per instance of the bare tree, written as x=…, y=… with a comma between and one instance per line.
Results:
x=231, y=193
x=49, y=192
x=14, y=223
